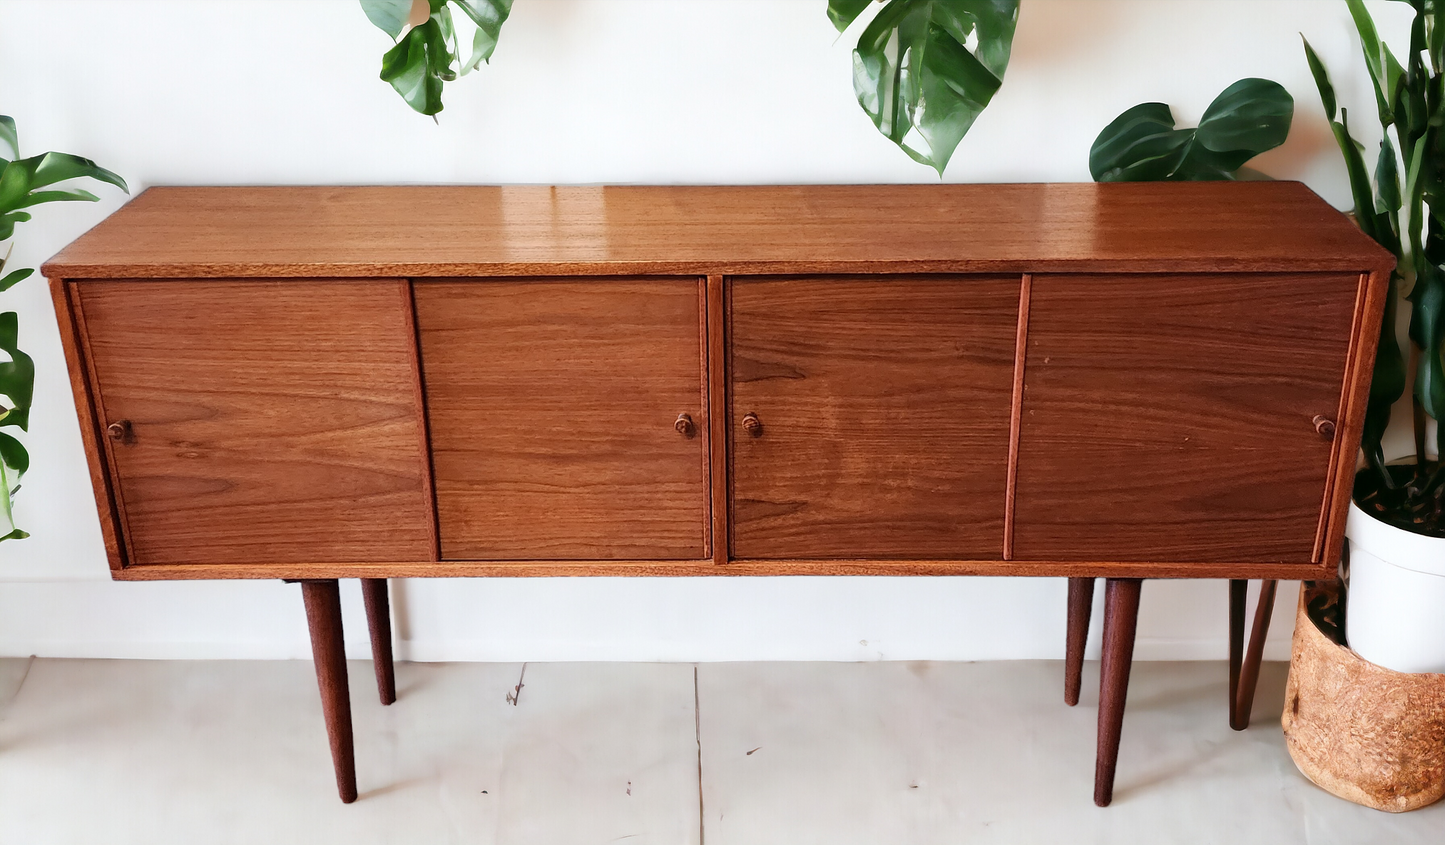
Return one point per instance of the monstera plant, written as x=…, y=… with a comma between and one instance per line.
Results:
x=21, y=182
x=915, y=75
x=914, y=71
x=429, y=53
x=1143, y=145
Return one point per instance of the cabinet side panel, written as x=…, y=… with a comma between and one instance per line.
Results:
x=1172, y=417
x=72, y=341
x=269, y=422
x=555, y=417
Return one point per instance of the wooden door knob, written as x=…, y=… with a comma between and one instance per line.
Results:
x=1325, y=426
x=684, y=425
x=752, y=424
x=120, y=430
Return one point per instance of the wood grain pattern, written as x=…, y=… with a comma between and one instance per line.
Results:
x=1076, y=636
x=717, y=418
x=1169, y=417
x=376, y=595
x=1351, y=421
x=1121, y=620
x=72, y=341
x=1015, y=418
x=272, y=421
x=739, y=567
x=328, y=652
x=1243, y=695
x=552, y=404
x=738, y=230
x=885, y=413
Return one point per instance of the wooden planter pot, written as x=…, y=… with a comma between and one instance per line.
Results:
x=1362, y=732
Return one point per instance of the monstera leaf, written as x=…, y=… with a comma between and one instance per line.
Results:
x=915, y=75
x=429, y=53
x=1142, y=145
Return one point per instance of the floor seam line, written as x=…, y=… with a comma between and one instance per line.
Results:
x=697, y=732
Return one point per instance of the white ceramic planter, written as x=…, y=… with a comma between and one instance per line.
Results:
x=1395, y=608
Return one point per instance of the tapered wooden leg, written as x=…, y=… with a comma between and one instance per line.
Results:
x=1249, y=671
x=1121, y=619
x=1081, y=604
x=378, y=620
x=1238, y=591
x=323, y=617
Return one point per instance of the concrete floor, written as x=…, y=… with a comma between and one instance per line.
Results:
x=788, y=753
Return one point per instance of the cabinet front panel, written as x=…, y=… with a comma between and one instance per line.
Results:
x=879, y=422
x=554, y=409
x=1172, y=418
x=260, y=422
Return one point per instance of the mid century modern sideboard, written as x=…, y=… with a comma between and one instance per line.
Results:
x=1125, y=381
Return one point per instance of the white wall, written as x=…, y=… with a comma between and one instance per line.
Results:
x=180, y=92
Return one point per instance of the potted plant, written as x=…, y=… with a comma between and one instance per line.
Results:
x=21, y=181
x=1396, y=526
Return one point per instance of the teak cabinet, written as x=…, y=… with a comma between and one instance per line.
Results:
x=1120, y=381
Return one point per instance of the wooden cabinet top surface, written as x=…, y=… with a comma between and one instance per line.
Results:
x=238, y=232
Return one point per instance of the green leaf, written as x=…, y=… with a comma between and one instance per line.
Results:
x=38, y=197
x=405, y=67
x=1427, y=329
x=8, y=221
x=53, y=167
x=17, y=376
x=11, y=279
x=8, y=137
x=13, y=453
x=390, y=16
x=843, y=12
x=1247, y=118
x=1387, y=384
x=1359, y=176
x=440, y=35
x=1142, y=145
x=488, y=15
x=9, y=484
x=1384, y=69
x=1322, y=79
x=1387, y=179
x=913, y=73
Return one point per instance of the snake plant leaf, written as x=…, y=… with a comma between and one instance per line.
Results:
x=1359, y=176
x=10, y=279
x=1427, y=329
x=390, y=16
x=1322, y=78
x=1385, y=70
x=9, y=138
x=17, y=376
x=1387, y=179
x=488, y=15
x=1387, y=384
x=914, y=74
